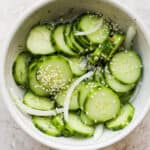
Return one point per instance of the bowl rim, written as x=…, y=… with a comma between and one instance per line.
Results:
x=4, y=91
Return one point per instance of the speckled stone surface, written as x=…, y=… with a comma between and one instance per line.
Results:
x=14, y=138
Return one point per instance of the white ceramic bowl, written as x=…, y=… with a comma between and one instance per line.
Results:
x=46, y=10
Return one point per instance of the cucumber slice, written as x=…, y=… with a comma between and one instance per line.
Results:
x=58, y=122
x=60, y=98
x=116, y=85
x=126, y=66
x=85, y=88
x=54, y=73
x=37, y=102
x=123, y=119
x=88, y=47
x=34, y=85
x=102, y=104
x=126, y=97
x=68, y=40
x=74, y=123
x=20, y=69
x=39, y=40
x=45, y=125
x=79, y=48
x=78, y=66
x=85, y=119
x=58, y=38
x=88, y=22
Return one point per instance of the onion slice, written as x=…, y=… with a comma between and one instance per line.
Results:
x=70, y=90
x=31, y=111
x=131, y=32
x=98, y=132
x=97, y=26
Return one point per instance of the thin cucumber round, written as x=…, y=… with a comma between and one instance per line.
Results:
x=58, y=122
x=85, y=88
x=58, y=37
x=20, y=69
x=34, y=85
x=126, y=66
x=102, y=104
x=123, y=119
x=37, y=102
x=74, y=123
x=54, y=73
x=78, y=66
x=116, y=85
x=45, y=125
x=60, y=98
x=39, y=40
x=79, y=48
x=68, y=38
x=89, y=22
x=86, y=120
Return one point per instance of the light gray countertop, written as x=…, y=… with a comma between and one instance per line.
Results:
x=14, y=138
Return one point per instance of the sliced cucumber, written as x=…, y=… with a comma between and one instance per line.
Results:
x=58, y=38
x=123, y=119
x=85, y=119
x=39, y=40
x=77, y=46
x=116, y=85
x=37, y=102
x=125, y=97
x=102, y=104
x=20, y=69
x=88, y=22
x=78, y=66
x=74, y=123
x=58, y=122
x=54, y=73
x=126, y=66
x=85, y=88
x=60, y=98
x=67, y=33
x=34, y=85
x=45, y=125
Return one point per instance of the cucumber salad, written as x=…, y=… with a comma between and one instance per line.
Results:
x=78, y=76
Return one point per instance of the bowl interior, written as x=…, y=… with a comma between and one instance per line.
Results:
x=53, y=10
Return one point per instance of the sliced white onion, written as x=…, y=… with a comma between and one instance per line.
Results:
x=31, y=111
x=71, y=89
x=97, y=26
x=130, y=36
x=98, y=132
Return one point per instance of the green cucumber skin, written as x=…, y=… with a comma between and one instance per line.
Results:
x=139, y=72
x=34, y=85
x=122, y=125
x=37, y=102
x=102, y=120
x=51, y=50
x=111, y=80
x=41, y=122
x=21, y=76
